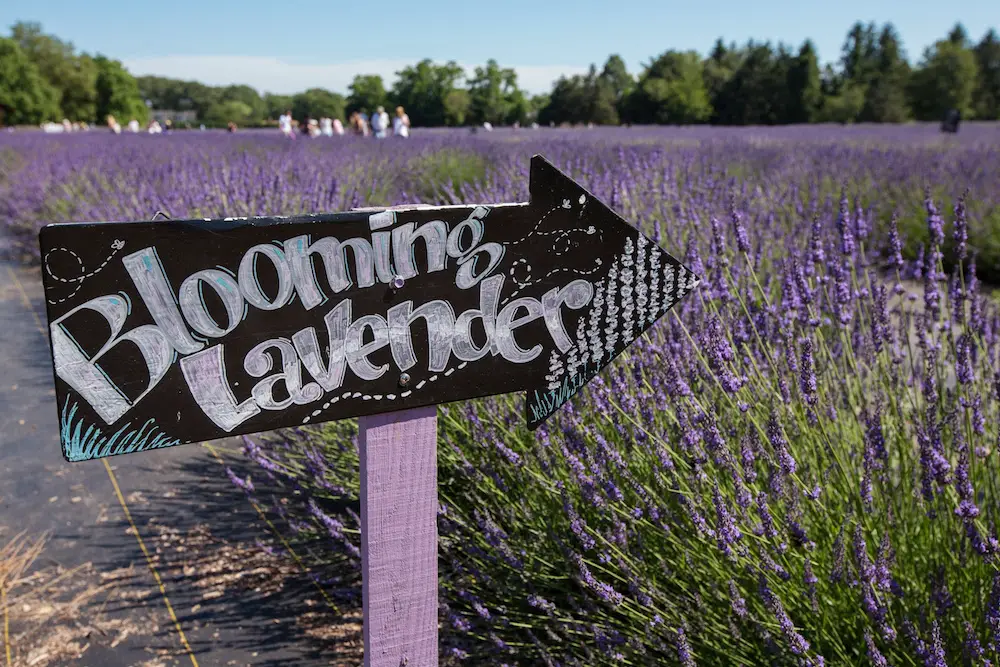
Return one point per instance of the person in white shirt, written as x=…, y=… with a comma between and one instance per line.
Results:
x=380, y=123
x=285, y=124
x=326, y=126
x=338, y=127
x=401, y=123
x=133, y=126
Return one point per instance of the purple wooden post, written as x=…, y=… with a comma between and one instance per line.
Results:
x=399, y=537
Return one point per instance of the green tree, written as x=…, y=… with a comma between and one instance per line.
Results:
x=249, y=97
x=717, y=70
x=318, y=103
x=844, y=106
x=986, y=98
x=493, y=94
x=222, y=113
x=456, y=107
x=568, y=102
x=885, y=96
x=73, y=78
x=367, y=93
x=422, y=89
x=276, y=105
x=536, y=104
x=945, y=80
x=117, y=92
x=25, y=94
x=671, y=90
x=758, y=93
x=959, y=37
x=615, y=78
x=804, y=86
x=859, y=57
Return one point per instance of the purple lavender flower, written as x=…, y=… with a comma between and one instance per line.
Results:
x=739, y=605
x=843, y=226
x=961, y=230
x=796, y=642
x=935, y=225
x=810, y=580
x=816, y=253
x=971, y=648
x=878, y=660
x=683, y=649
x=807, y=375
x=780, y=444
x=742, y=240
x=727, y=534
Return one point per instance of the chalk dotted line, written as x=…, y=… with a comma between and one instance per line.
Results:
x=347, y=395
x=115, y=247
x=562, y=235
x=565, y=234
x=534, y=232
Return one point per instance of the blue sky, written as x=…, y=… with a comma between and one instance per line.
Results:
x=283, y=47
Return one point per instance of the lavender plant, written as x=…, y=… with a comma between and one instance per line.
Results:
x=796, y=466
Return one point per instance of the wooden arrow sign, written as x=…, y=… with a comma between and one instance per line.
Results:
x=179, y=331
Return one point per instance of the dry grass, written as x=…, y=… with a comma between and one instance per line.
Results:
x=52, y=614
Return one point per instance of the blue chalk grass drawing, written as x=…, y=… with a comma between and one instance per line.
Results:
x=82, y=442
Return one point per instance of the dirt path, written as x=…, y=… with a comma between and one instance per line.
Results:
x=233, y=603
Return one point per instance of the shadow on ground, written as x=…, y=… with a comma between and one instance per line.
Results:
x=216, y=554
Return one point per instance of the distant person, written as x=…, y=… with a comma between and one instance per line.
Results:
x=380, y=123
x=113, y=124
x=231, y=127
x=338, y=127
x=363, y=123
x=314, y=130
x=488, y=126
x=401, y=123
x=285, y=124
x=951, y=121
x=304, y=126
x=133, y=126
x=154, y=127
x=326, y=126
x=168, y=126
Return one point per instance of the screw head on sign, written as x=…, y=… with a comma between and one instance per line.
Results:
x=404, y=379
x=398, y=282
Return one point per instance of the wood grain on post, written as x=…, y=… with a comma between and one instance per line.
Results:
x=399, y=548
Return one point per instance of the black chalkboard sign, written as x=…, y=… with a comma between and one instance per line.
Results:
x=178, y=331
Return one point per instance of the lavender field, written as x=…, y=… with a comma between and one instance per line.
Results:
x=798, y=465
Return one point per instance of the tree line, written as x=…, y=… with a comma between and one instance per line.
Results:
x=42, y=78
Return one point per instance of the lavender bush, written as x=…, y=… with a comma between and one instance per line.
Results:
x=796, y=466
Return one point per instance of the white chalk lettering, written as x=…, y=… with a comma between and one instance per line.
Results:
x=440, y=319
x=258, y=362
x=205, y=374
x=576, y=295
x=462, y=343
x=250, y=285
x=87, y=378
x=150, y=279
x=507, y=322
x=192, y=301
x=357, y=353
x=307, y=346
x=435, y=236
